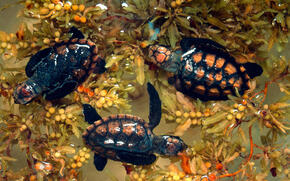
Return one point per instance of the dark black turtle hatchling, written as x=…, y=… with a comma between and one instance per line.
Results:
x=128, y=138
x=56, y=71
x=204, y=69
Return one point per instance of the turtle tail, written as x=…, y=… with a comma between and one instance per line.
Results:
x=101, y=66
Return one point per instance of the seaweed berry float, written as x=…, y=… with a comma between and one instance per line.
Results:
x=204, y=69
x=128, y=138
x=56, y=71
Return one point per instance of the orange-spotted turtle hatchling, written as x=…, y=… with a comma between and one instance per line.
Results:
x=56, y=71
x=204, y=69
x=128, y=138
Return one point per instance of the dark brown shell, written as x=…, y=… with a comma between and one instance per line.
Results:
x=116, y=133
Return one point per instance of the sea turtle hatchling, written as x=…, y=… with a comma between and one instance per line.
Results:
x=128, y=138
x=204, y=69
x=58, y=70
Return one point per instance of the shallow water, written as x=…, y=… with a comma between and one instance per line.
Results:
x=9, y=23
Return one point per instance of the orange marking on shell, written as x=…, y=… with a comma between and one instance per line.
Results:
x=74, y=40
x=95, y=58
x=200, y=89
x=168, y=53
x=95, y=51
x=218, y=76
x=148, y=132
x=112, y=117
x=114, y=127
x=97, y=123
x=209, y=79
x=127, y=129
x=101, y=130
x=223, y=84
x=121, y=116
x=247, y=76
x=162, y=49
x=209, y=59
x=232, y=80
x=197, y=57
x=72, y=46
x=248, y=84
x=61, y=50
x=242, y=68
x=200, y=72
x=230, y=69
x=220, y=62
x=90, y=43
x=90, y=128
x=160, y=58
x=238, y=83
x=135, y=118
x=175, y=140
x=188, y=84
x=140, y=130
x=93, y=66
x=213, y=92
x=85, y=133
x=227, y=92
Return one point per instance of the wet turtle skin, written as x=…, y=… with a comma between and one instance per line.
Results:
x=58, y=70
x=122, y=132
x=204, y=69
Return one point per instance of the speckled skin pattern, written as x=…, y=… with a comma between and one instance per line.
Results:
x=207, y=75
x=119, y=132
x=56, y=71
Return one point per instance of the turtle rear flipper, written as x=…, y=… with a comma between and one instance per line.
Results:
x=76, y=33
x=61, y=91
x=34, y=60
x=90, y=113
x=100, y=162
x=155, y=106
x=253, y=69
x=136, y=158
x=206, y=45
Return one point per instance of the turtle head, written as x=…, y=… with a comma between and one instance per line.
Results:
x=168, y=145
x=26, y=92
x=165, y=58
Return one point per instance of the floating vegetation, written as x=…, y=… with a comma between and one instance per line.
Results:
x=243, y=138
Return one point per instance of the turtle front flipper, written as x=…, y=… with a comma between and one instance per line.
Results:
x=206, y=45
x=34, y=60
x=90, y=113
x=100, y=162
x=136, y=158
x=76, y=33
x=61, y=91
x=155, y=106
